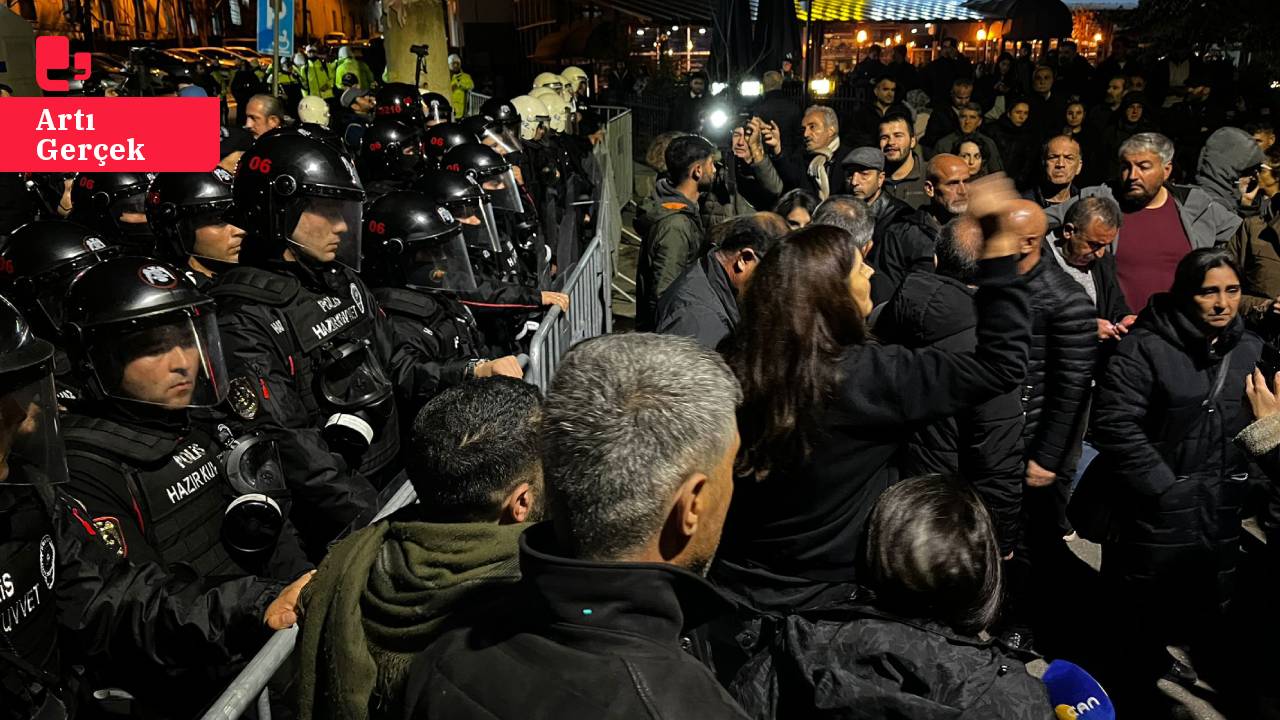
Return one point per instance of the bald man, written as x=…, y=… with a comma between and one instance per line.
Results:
x=1064, y=341
x=908, y=244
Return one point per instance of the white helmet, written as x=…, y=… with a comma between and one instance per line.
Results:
x=568, y=91
x=533, y=115
x=576, y=75
x=555, y=106
x=549, y=80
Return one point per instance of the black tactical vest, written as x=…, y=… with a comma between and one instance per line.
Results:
x=305, y=326
x=28, y=571
x=447, y=325
x=173, y=479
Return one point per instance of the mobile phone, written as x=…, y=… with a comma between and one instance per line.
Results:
x=1269, y=361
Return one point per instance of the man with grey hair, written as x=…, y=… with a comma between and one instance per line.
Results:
x=639, y=435
x=1081, y=248
x=1162, y=221
x=849, y=214
x=263, y=113
x=819, y=173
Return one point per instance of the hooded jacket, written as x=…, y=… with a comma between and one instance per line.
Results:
x=859, y=663
x=983, y=443
x=576, y=639
x=1168, y=451
x=1227, y=155
x=672, y=243
x=1256, y=249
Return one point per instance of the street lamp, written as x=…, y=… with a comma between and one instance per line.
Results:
x=862, y=36
x=820, y=86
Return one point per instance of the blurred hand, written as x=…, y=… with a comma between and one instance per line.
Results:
x=755, y=142
x=555, y=298
x=991, y=198
x=772, y=138
x=1108, y=330
x=1038, y=476
x=283, y=611
x=1127, y=321
x=1247, y=196
x=507, y=366
x=1261, y=397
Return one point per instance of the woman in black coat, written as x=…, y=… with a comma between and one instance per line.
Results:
x=827, y=411
x=1017, y=141
x=1168, y=407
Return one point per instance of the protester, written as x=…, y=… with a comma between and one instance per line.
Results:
x=903, y=167
x=971, y=153
x=982, y=444
x=1228, y=163
x=864, y=128
x=383, y=594
x=946, y=120
x=781, y=111
x=908, y=244
x=968, y=131
x=864, y=168
x=1081, y=248
x=638, y=443
x=703, y=302
x=1017, y=141
x=796, y=207
x=674, y=235
x=263, y=113
x=1168, y=406
x=1063, y=160
x=823, y=404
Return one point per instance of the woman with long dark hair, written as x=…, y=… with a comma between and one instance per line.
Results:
x=797, y=207
x=1168, y=407
x=826, y=409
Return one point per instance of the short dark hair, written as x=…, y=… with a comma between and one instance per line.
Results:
x=900, y=116
x=961, y=82
x=754, y=231
x=472, y=445
x=6, y=88
x=1095, y=207
x=972, y=106
x=683, y=153
x=1188, y=277
x=932, y=554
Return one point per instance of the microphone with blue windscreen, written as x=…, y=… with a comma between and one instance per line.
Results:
x=1074, y=693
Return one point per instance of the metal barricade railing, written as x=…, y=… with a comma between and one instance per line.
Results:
x=474, y=101
x=590, y=314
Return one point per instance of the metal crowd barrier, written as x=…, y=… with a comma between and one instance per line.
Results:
x=590, y=314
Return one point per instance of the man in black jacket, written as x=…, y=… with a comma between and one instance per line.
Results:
x=982, y=444
x=909, y=243
x=703, y=302
x=775, y=107
x=1081, y=248
x=639, y=438
x=1055, y=399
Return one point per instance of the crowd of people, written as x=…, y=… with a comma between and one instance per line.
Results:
x=875, y=393
x=838, y=264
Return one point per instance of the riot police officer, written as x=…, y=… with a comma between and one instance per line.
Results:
x=190, y=216
x=416, y=261
x=390, y=156
x=400, y=101
x=442, y=138
x=437, y=109
x=305, y=343
x=503, y=305
x=113, y=204
x=160, y=484
x=59, y=582
x=505, y=112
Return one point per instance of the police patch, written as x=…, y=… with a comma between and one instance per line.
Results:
x=94, y=244
x=48, y=554
x=357, y=297
x=445, y=215
x=222, y=175
x=157, y=276
x=112, y=536
x=242, y=398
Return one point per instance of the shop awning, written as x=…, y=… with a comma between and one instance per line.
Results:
x=888, y=10
x=582, y=40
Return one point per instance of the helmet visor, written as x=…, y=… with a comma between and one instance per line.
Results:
x=529, y=127
x=502, y=190
x=328, y=230
x=479, y=228
x=210, y=233
x=172, y=360
x=441, y=264
x=31, y=450
x=501, y=139
x=437, y=112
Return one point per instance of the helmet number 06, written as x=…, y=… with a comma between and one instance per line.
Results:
x=261, y=164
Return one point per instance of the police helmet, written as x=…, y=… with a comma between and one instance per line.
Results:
x=31, y=451
x=549, y=80
x=533, y=115
x=39, y=262
x=556, y=107
x=179, y=204
x=128, y=309
x=504, y=111
x=439, y=139
x=413, y=242
x=576, y=76
x=389, y=150
x=494, y=133
x=400, y=101
x=490, y=170
x=113, y=204
x=437, y=108
x=289, y=173
x=466, y=201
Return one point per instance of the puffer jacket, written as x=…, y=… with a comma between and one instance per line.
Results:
x=982, y=444
x=1227, y=155
x=1178, y=479
x=672, y=229
x=856, y=662
x=1064, y=345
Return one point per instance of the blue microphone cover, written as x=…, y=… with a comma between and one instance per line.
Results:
x=1075, y=694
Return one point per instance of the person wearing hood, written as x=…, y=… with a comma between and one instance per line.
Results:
x=1017, y=142
x=1131, y=118
x=384, y=593
x=1162, y=220
x=1167, y=407
x=672, y=224
x=908, y=244
x=460, y=85
x=982, y=444
x=1256, y=249
x=1228, y=164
